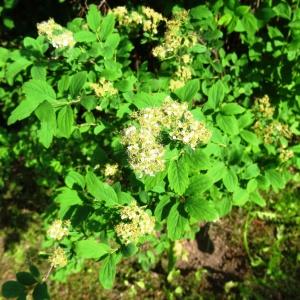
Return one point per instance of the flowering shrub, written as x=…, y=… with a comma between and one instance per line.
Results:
x=154, y=150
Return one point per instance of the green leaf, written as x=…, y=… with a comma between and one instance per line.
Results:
x=251, y=171
x=256, y=198
x=201, y=209
x=232, y=109
x=46, y=115
x=197, y=160
x=77, y=82
x=249, y=137
x=12, y=289
x=36, y=92
x=65, y=120
x=23, y=110
x=107, y=271
x=40, y=292
x=176, y=222
x=230, y=180
x=38, y=72
x=199, y=184
x=275, y=179
x=91, y=249
x=217, y=171
x=143, y=100
x=240, y=197
x=188, y=92
x=107, y=26
x=25, y=278
x=39, y=89
x=178, y=175
x=85, y=36
x=66, y=199
x=101, y=191
x=228, y=124
x=216, y=94
x=74, y=177
x=15, y=68
x=93, y=18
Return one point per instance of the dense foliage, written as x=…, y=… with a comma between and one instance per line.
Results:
x=141, y=125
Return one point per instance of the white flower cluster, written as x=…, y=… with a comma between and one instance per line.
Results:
x=135, y=223
x=57, y=35
x=148, y=18
x=58, y=229
x=111, y=170
x=58, y=259
x=145, y=152
x=104, y=88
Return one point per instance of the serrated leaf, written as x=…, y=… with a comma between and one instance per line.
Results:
x=228, y=124
x=199, y=184
x=176, y=223
x=67, y=198
x=77, y=82
x=188, y=92
x=201, y=209
x=232, y=109
x=65, y=120
x=93, y=18
x=101, y=191
x=178, y=176
x=216, y=94
x=91, y=249
x=240, y=196
x=275, y=179
x=107, y=26
x=36, y=92
x=256, y=198
x=46, y=115
x=107, y=271
x=85, y=36
x=230, y=180
x=74, y=177
x=39, y=89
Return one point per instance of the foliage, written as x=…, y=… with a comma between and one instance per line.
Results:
x=152, y=119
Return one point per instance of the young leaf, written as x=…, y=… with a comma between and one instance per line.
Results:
x=201, y=209
x=91, y=249
x=85, y=36
x=240, y=197
x=65, y=120
x=178, y=175
x=107, y=271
